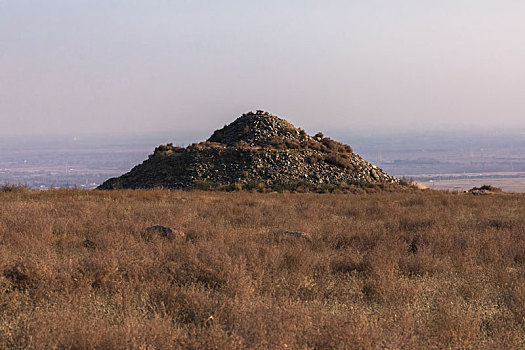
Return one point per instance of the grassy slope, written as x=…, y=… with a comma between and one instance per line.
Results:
x=409, y=270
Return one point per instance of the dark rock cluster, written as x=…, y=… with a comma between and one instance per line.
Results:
x=257, y=148
x=483, y=190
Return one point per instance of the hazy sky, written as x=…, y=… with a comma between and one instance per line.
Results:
x=84, y=66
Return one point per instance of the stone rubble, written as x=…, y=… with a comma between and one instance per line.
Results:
x=256, y=148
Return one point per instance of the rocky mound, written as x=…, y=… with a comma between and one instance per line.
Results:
x=257, y=148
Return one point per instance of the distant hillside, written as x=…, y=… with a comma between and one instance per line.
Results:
x=257, y=148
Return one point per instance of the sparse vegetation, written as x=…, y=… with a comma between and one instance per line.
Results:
x=406, y=182
x=305, y=187
x=340, y=160
x=409, y=269
x=12, y=188
x=325, y=145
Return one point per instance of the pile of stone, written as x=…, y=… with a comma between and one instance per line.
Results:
x=256, y=148
x=484, y=190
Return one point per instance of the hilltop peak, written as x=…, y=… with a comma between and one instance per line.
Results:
x=257, y=130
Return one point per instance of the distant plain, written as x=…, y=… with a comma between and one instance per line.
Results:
x=450, y=160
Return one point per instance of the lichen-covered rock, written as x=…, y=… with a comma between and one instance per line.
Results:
x=255, y=148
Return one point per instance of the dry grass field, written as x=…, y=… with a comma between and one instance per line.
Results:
x=385, y=270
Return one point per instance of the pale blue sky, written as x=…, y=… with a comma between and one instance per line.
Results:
x=87, y=66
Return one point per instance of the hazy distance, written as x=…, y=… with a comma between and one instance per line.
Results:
x=130, y=66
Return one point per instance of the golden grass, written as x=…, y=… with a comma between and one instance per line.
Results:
x=389, y=270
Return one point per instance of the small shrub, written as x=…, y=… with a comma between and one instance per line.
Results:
x=277, y=142
x=244, y=131
x=329, y=143
x=13, y=188
x=243, y=144
x=236, y=187
x=331, y=188
x=312, y=145
x=313, y=159
x=205, y=185
x=257, y=186
x=338, y=160
x=293, y=143
x=406, y=182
